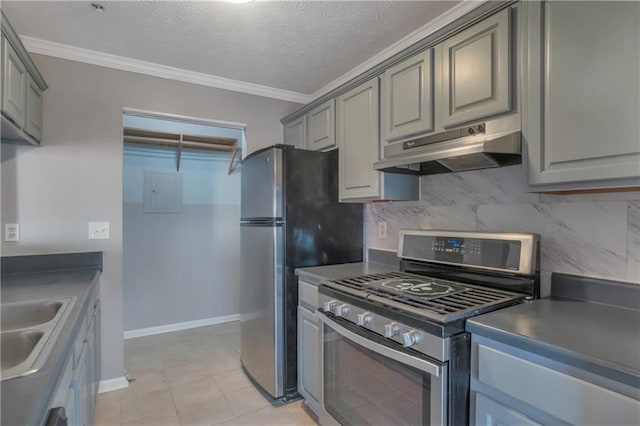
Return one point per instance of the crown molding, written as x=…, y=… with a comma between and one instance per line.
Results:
x=430, y=27
x=122, y=63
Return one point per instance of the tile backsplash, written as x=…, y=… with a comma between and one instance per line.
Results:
x=586, y=234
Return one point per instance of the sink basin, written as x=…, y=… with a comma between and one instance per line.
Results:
x=29, y=333
x=14, y=316
x=17, y=346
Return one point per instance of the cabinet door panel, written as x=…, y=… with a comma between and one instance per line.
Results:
x=14, y=85
x=476, y=77
x=295, y=132
x=582, y=91
x=358, y=141
x=321, y=132
x=492, y=413
x=407, y=97
x=309, y=378
x=34, y=110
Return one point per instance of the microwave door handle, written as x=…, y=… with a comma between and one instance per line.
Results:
x=410, y=360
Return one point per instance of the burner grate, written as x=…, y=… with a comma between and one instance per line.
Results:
x=471, y=301
x=357, y=282
x=465, y=300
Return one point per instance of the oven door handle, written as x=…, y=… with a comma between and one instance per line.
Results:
x=410, y=360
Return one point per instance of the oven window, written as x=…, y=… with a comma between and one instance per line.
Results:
x=365, y=388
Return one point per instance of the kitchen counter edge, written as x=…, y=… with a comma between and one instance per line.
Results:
x=25, y=400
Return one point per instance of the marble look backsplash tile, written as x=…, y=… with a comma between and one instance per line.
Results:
x=576, y=238
x=503, y=185
x=584, y=234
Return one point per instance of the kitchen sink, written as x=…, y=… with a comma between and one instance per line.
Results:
x=17, y=346
x=14, y=316
x=29, y=333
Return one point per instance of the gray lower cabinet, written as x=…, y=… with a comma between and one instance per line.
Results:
x=77, y=389
x=309, y=346
x=491, y=413
x=476, y=71
x=14, y=85
x=581, y=93
x=295, y=132
x=358, y=140
x=407, y=97
x=321, y=132
x=513, y=386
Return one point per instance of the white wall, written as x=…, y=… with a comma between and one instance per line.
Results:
x=52, y=191
x=588, y=234
x=185, y=266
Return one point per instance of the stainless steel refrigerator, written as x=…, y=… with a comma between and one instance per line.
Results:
x=290, y=218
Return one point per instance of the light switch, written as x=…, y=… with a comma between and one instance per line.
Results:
x=99, y=230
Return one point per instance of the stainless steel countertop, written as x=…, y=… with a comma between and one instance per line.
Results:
x=25, y=400
x=599, y=338
x=315, y=274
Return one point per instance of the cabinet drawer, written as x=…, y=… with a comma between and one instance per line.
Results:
x=308, y=295
x=568, y=398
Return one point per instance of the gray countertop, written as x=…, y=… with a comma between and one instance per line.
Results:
x=600, y=338
x=25, y=400
x=315, y=274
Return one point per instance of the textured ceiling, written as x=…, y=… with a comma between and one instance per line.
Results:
x=294, y=45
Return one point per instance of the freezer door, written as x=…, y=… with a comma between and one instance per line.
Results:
x=262, y=185
x=262, y=305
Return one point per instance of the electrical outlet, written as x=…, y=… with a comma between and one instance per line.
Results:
x=11, y=232
x=99, y=230
x=382, y=230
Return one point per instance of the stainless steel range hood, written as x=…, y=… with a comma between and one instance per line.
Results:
x=475, y=147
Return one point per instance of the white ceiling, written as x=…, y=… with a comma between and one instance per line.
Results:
x=299, y=46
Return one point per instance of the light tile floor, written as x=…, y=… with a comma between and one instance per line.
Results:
x=192, y=377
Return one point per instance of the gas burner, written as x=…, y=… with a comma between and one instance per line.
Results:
x=418, y=287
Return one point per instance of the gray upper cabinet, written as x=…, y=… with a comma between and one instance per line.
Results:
x=407, y=97
x=22, y=87
x=476, y=68
x=358, y=142
x=34, y=109
x=581, y=93
x=14, y=85
x=321, y=133
x=295, y=132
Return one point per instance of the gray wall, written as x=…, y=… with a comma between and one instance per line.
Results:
x=76, y=175
x=185, y=266
x=587, y=234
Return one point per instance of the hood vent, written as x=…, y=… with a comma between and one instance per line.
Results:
x=467, y=148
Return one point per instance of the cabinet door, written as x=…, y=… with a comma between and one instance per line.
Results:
x=295, y=132
x=14, y=85
x=34, y=110
x=492, y=413
x=97, y=348
x=476, y=68
x=358, y=142
x=321, y=132
x=581, y=91
x=70, y=405
x=407, y=97
x=309, y=381
x=82, y=390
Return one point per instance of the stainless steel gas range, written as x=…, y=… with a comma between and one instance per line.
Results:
x=394, y=348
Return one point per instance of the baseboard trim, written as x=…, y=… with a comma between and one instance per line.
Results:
x=130, y=334
x=113, y=384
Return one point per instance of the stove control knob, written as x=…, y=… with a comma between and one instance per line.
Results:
x=341, y=310
x=328, y=306
x=391, y=330
x=364, y=319
x=409, y=339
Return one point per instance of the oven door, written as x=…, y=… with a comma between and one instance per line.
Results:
x=367, y=380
